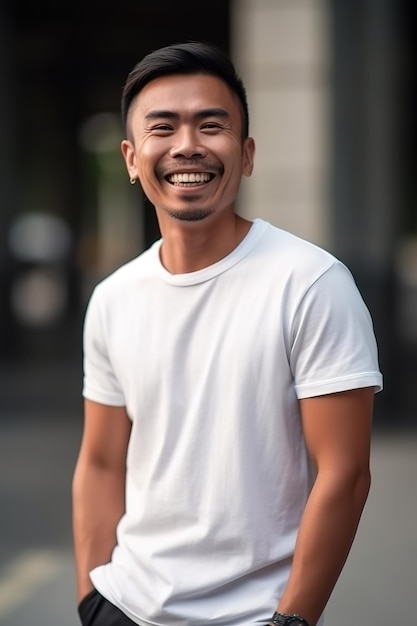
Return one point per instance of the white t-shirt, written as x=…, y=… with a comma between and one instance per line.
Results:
x=210, y=366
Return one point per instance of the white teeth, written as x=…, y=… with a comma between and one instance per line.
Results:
x=189, y=177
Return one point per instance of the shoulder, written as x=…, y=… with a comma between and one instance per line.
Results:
x=125, y=276
x=295, y=258
x=292, y=244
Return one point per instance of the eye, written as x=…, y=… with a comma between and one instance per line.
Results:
x=211, y=126
x=161, y=128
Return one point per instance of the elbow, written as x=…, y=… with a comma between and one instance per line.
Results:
x=78, y=481
x=364, y=484
x=350, y=484
x=358, y=483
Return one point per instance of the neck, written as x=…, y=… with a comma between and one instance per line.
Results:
x=191, y=247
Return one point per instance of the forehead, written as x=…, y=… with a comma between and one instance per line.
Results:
x=186, y=93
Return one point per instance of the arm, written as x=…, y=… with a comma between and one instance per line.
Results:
x=98, y=488
x=337, y=431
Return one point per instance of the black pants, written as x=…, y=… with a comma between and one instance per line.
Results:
x=94, y=610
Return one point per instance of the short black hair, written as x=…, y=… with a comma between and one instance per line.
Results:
x=192, y=57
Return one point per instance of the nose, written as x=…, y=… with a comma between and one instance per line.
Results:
x=186, y=144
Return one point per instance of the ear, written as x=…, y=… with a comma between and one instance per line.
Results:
x=128, y=152
x=248, y=156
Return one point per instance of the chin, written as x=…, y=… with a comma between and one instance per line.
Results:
x=190, y=215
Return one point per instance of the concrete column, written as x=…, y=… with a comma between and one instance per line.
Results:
x=280, y=48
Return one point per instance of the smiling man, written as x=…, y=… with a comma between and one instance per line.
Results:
x=190, y=159
x=229, y=375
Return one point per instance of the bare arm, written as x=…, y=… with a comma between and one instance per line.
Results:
x=98, y=488
x=337, y=430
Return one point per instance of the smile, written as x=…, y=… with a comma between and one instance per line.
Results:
x=189, y=179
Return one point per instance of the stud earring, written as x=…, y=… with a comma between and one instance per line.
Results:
x=132, y=181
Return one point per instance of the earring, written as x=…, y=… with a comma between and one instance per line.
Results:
x=132, y=181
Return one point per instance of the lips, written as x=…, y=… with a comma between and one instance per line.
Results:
x=189, y=179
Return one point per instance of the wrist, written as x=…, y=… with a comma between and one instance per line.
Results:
x=288, y=619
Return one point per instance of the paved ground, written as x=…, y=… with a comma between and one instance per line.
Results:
x=37, y=457
x=37, y=454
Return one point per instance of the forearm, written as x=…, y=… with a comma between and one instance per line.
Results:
x=98, y=504
x=325, y=537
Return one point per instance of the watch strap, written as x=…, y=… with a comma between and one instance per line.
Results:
x=288, y=619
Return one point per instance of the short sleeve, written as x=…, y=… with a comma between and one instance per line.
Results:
x=100, y=383
x=333, y=345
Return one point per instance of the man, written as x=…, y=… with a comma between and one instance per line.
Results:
x=230, y=371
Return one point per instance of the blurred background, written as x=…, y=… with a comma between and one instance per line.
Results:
x=332, y=96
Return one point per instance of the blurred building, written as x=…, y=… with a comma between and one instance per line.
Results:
x=331, y=89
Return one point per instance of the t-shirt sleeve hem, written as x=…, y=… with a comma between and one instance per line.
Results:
x=324, y=387
x=111, y=399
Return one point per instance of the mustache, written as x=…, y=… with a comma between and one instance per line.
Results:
x=185, y=165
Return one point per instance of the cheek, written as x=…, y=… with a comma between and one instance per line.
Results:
x=233, y=167
x=151, y=160
x=148, y=151
x=146, y=164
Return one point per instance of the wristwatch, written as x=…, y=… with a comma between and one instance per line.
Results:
x=285, y=619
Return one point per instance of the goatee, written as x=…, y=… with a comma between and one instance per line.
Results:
x=189, y=215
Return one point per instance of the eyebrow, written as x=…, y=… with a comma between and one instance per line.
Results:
x=166, y=114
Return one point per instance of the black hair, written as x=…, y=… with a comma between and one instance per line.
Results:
x=192, y=57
